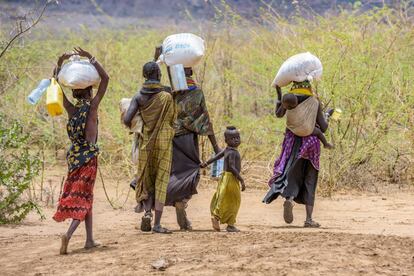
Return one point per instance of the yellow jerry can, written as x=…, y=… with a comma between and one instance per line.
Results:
x=54, y=98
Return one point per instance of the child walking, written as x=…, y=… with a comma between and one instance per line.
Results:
x=225, y=203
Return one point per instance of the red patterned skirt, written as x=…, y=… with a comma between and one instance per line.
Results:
x=77, y=195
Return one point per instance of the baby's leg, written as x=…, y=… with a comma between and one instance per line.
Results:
x=322, y=138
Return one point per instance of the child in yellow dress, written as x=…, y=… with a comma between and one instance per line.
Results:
x=226, y=201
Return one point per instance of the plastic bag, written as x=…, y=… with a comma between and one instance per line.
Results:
x=78, y=74
x=185, y=48
x=37, y=93
x=300, y=67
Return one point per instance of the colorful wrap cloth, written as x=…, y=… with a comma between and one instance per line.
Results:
x=310, y=149
x=295, y=172
x=77, y=195
x=192, y=114
x=155, y=152
x=80, y=151
x=192, y=120
x=225, y=203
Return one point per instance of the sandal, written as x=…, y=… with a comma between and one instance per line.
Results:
x=311, y=224
x=288, y=211
x=160, y=230
x=146, y=222
x=232, y=229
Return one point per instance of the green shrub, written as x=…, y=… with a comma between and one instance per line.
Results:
x=18, y=166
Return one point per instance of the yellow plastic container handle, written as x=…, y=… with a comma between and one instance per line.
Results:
x=336, y=115
x=54, y=98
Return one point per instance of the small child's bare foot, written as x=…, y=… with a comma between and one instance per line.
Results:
x=216, y=224
x=91, y=244
x=329, y=146
x=232, y=228
x=64, y=245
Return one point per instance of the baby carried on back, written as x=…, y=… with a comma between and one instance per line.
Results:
x=301, y=115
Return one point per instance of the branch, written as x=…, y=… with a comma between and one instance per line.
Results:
x=21, y=31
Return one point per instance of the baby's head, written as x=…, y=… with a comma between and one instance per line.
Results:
x=289, y=101
x=232, y=137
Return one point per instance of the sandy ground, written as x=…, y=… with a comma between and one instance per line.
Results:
x=365, y=234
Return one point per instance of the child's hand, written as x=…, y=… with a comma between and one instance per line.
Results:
x=243, y=186
x=203, y=165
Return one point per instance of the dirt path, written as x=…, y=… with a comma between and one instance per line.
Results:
x=367, y=235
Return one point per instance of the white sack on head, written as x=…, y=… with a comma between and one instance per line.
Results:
x=136, y=123
x=185, y=48
x=300, y=67
x=78, y=74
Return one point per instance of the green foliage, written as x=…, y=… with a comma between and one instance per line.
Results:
x=17, y=168
x=368, y=73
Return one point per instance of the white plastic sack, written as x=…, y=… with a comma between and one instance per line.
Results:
x=185, y=48
x=78, y=74
x=300, y=67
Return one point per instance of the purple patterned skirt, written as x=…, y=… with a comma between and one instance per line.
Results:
x=295, y=172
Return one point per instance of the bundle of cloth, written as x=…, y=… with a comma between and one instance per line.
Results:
x=136, y=128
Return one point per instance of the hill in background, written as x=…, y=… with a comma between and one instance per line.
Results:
x=144, y=13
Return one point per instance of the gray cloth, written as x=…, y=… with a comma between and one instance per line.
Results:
x=302, y=181
x=185, y=170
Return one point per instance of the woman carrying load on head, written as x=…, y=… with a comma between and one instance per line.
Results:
x=295, y=172
x=192, y=120
x=76, y=199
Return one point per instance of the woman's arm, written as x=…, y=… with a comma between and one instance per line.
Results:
x=132, y=110
x=279, y=110
x=102, y=74
x=215, y=158
x=69, y=107
x=213, y=142
x=158, y=51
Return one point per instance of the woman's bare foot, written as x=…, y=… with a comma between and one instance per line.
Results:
x=64, y=245
x=91, y=244
x=311, y=224
x=232, y=228
x=216, y=224
x=288, y=211
x=329, y=146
